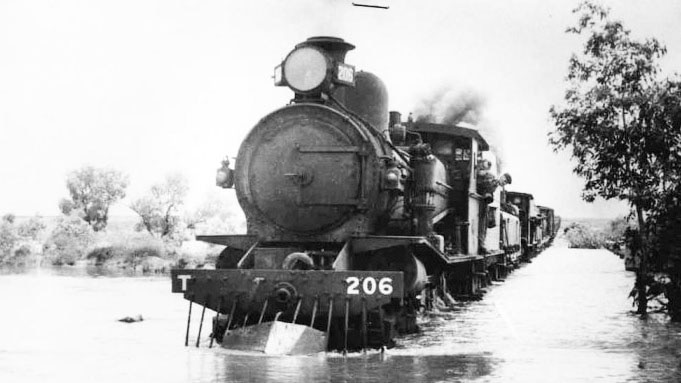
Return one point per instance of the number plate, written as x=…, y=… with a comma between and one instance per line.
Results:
x=369, y=286
x=345, y=74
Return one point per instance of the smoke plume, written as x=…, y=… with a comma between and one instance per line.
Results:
x=448, y=105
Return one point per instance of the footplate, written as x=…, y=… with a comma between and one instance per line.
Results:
x=274, y=290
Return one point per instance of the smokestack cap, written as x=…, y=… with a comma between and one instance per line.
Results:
x=335, y=46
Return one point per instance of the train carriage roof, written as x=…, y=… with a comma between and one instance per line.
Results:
x=450, y=130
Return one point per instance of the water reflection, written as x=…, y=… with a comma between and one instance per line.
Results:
x=373, y=367
x=248, y=368
x=72, y=271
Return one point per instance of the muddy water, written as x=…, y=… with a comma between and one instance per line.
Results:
x=563, y=318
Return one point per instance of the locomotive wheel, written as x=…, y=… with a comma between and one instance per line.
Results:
x=229, y=258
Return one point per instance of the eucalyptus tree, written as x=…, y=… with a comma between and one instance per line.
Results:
x=160, y=209
x=93, y=191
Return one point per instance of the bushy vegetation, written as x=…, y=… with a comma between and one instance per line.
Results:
x=617, y=229
x=8, y=240
x=69, y=240
x=598, y=234
x=581, y=236
x=143, y=254
x=23, y=256
x=32, y=228
x=20, y=242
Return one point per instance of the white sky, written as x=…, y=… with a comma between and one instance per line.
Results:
x=156, y=86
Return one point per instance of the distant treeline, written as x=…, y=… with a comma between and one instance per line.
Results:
x=595, y=235
x=161, y=237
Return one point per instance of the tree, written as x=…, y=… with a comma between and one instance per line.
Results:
x=93, y=191
x=159, y=210
x=613, y=121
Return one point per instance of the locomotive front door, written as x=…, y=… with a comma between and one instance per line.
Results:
x=332, y=176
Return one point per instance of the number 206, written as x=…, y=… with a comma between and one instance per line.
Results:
x=369, y=285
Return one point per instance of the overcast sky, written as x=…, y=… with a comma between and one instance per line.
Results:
x=151, y=87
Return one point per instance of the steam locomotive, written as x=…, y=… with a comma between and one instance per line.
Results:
x=356, y=219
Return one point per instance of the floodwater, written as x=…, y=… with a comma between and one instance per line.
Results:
x=563, y=318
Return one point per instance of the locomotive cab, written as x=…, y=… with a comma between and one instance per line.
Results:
x=465, y=221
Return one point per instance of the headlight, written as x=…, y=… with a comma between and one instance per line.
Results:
x=305, y=69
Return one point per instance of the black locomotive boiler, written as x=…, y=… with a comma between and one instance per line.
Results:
x=356, y=220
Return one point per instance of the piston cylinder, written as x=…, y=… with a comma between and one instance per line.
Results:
x=400, y=259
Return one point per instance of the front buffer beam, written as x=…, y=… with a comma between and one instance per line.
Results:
x=305, y=291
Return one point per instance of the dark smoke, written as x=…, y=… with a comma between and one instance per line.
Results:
x=453, y=106
x=450, y=106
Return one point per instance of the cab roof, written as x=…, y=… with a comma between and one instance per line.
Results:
x=459, y=130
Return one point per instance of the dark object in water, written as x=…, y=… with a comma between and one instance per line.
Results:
x=138, y=318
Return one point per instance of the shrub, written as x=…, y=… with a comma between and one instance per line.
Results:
x=129, y=252
x=9, y=218
x=101, y=255
x=8, y=239
x=182, y=263
x=583, y=237
x=22, y=255
x=68, y=241
x=139, y=254
x=22, y=251
x=31, y=229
